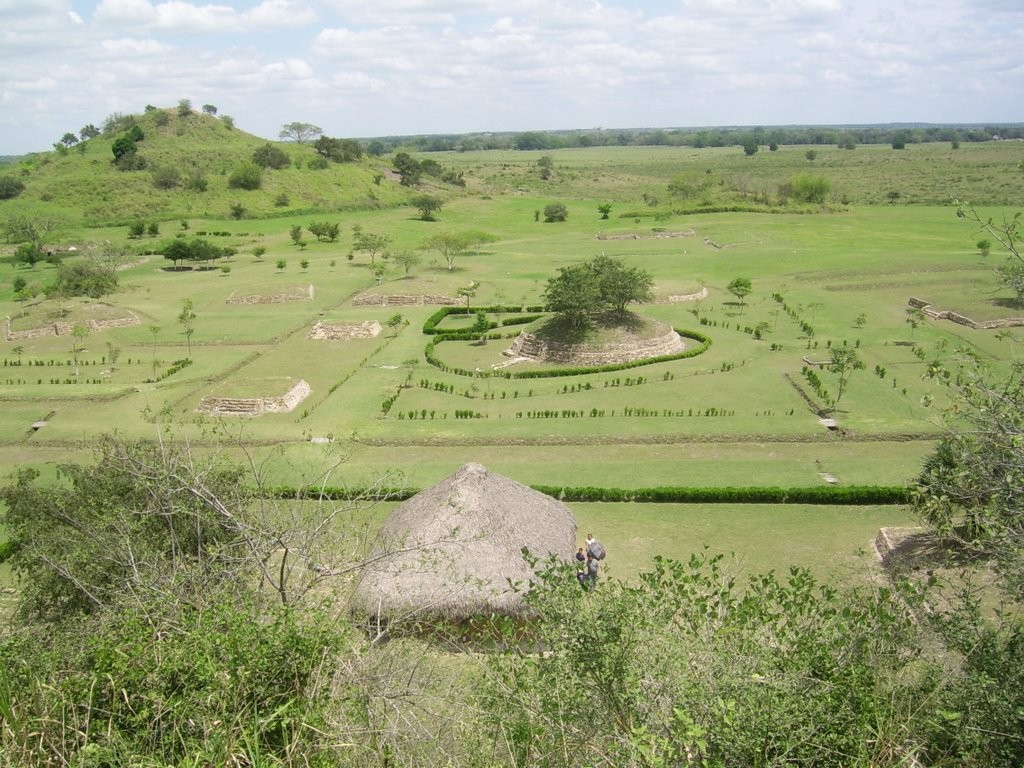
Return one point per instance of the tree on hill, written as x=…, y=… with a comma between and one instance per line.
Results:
x=603, y=283
x=19, y=228
x=620, y=285
x=574, y=294
x=408, y=168
x=338, y=150
x=84, y=277
x=10, y=187
x=184, y=108
x=209, y=109
x=269, y=156
x=89, y=131
x=246, y=176
x=300, y=133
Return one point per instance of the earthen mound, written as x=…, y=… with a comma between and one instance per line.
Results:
x=637, y=339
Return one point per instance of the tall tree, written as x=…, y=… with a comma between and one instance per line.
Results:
x=575, y=293
x=970, y=488
x=408, y=168
x=427, y=205
x=300, y=133
x=1009, y=234
x=448, y=244
x=371, y=243
x=843, y=363
x=740, y=287
x=187, y=318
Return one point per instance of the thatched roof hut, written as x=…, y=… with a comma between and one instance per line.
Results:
x=450, y=551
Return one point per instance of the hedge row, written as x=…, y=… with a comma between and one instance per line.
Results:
x=826, y=494
x=430, y=326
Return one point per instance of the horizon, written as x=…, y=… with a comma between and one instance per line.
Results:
x=457, y=67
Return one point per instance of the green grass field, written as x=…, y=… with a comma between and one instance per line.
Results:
x=732, y=416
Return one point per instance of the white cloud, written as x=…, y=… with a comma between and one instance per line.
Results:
x=396, y=66
x=131, y=47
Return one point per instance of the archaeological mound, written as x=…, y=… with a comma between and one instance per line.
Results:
x=610, y=338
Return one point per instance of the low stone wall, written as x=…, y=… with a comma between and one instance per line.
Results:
x=400, y=300
x=956, y=317
x=65, y=329
x=527, y=346
x=277, y=298
x=701, y=294
x=255, y=406
x=651, y=236
x=327, y=332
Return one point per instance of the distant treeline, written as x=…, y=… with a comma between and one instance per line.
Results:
x=842, y=136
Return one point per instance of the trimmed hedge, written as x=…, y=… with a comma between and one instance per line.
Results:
x=854, y=495
x=430, y=326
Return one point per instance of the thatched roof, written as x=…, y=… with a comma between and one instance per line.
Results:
x=450, y=550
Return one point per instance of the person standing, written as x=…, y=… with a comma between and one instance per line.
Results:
x=593, y=568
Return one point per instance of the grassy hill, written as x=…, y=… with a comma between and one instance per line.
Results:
x=84, y=187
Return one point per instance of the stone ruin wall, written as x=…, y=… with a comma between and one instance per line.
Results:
x=399, y=300
x=278, y=298
x=255, y=406
x=327, y=332
x=956, y=317
x=526, y=345
x=65, y=329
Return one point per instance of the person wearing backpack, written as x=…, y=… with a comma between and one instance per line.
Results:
x=593, y=568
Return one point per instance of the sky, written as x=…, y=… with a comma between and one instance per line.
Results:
x=364, y=68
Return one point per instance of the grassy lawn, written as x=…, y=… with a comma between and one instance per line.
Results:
x=840, y=276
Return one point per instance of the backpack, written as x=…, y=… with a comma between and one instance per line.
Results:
x=596, y=550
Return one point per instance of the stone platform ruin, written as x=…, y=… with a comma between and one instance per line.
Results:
x=528, y=347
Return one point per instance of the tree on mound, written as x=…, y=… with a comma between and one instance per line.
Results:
x=604, y=283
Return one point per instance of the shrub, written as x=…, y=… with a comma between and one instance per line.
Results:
x=555, y=212
x=166, y=177
x=246, y=176
x=269, y=156
x=10, y=187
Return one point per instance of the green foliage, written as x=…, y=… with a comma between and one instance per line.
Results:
x=603, y=283
x=448, y=244
x=691, y=667
x=246, y=176
x=324, y=231
x=969, y=489
x=338, y=150
x=427, y=205
x=555, y=212
x=166, y=177
x=123, y=145
x=807, y=189
x=29, y=254
x=269, y=156
x=84, y=277
x=299, y=132
x=10, y=187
